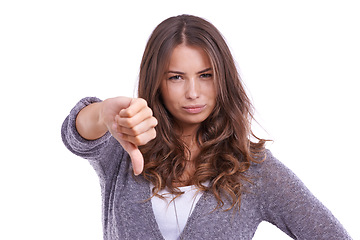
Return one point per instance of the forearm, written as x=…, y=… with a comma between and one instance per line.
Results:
x=88, y=122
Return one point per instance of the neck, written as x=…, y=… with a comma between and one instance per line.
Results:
x=186, y=130
x=188, y=136
x=187, y=176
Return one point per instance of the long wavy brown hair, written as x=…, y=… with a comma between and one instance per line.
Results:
x=226, y=150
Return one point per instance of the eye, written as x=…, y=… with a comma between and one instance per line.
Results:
x=175, y=77
x=206, y=75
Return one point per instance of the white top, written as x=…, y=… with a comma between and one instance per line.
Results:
x=166, y=210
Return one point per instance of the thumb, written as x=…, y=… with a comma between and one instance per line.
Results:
x=137, y=159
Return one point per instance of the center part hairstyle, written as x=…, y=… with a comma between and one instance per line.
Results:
x=226, y=150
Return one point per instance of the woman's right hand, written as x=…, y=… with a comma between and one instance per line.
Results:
x=129, y=120
x=131, y=123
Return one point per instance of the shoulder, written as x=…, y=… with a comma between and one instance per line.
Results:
x=272, y=178
x=277, y=187
x=268, y=166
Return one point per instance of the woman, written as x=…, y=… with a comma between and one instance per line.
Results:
x=186, y=138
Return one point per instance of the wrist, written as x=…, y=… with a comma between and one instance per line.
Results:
x=101, y=121
x=88, y=123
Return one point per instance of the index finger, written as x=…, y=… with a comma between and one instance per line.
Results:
x=136, y=105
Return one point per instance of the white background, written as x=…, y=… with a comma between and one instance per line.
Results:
x=299, y=59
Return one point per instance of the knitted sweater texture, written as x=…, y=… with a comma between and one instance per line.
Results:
x=275, y=195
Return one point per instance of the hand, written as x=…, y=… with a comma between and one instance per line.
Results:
x=132, y=124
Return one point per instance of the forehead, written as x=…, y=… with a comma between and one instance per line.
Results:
x=190, y=58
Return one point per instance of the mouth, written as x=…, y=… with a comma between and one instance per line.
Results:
x=194, y=108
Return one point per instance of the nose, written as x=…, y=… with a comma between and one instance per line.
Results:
x=192, y=89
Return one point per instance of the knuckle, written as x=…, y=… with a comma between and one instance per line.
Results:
x=155, y=121
x=143, y=101
x=153, y=133
x=128, y=123
x=135, y=131
x=128, y=112
x=140, y=101
x=150, y=111
x=125, y=112
x=138, y=140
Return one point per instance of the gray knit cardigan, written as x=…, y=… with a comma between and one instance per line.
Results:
x=276, y=195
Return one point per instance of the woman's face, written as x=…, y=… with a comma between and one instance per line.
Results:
x=188, y=88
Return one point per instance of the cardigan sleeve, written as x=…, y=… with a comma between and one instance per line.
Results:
x=104, y=153
x=287, y=203
x=89, y=149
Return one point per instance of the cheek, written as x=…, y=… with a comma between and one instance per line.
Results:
x=164, y=92
x=210, y=90
x=172, y=92
x=168, y=96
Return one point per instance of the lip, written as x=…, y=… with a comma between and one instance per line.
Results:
x=193, y=109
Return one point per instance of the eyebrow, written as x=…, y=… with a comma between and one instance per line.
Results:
x=202, y=71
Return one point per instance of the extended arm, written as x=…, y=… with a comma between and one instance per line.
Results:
x=129, y=120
